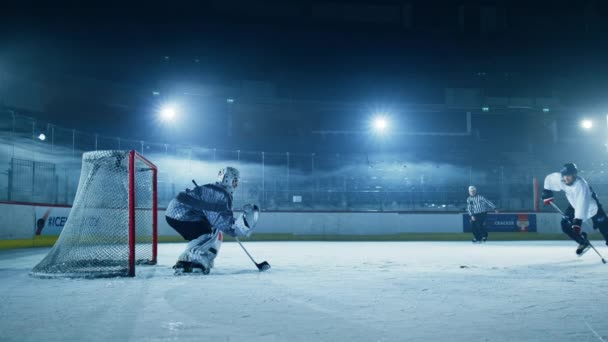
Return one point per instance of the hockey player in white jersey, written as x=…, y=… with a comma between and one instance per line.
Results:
x=583, y=202
x=202, y=214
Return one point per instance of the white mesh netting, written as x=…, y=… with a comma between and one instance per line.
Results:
x=95, y=239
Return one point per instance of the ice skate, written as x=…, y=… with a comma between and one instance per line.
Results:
x=182, y=267
x=583, y=247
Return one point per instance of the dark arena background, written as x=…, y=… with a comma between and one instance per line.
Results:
x=357, y=128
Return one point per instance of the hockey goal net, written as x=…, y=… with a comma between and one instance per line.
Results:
x=112, y=226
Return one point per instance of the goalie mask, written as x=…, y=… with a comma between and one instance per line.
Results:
x=228, y=178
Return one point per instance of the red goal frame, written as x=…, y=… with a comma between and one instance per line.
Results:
x=134, y=155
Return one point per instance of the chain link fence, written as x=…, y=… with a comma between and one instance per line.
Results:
x=40, y=162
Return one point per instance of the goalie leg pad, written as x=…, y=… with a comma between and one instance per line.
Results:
x=203, y=250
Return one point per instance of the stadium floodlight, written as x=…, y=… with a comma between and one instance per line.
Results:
x=380, y=124
x=587, y=124
x=42, y=137
x=168, y=113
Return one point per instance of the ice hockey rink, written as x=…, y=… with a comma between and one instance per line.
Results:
x=322, y=291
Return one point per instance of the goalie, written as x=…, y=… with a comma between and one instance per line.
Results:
x=202, y=214
x=583, y=202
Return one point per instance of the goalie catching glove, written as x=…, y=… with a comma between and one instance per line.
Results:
x=247, y=220
x=547, y=196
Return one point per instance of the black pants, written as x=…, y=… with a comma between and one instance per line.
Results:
x=600, y=221
x=190, y=230
x=478, y=226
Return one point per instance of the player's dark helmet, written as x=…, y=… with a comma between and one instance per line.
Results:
x=569, y=169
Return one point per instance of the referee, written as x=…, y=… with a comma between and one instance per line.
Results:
x=478, y=207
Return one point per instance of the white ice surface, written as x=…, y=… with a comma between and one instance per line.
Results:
x=323, y=291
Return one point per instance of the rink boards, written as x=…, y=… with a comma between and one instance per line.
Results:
x=26, y=225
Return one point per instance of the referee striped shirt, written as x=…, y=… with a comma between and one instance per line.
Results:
x=478, y=204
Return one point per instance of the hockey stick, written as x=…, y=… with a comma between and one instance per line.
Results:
x=590, y=244
x=263, y=266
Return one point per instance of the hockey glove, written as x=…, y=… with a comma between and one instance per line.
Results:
x=576, y=226
x=251, y=212
x=246, y=221
x=239, y=228
x=547, y=196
